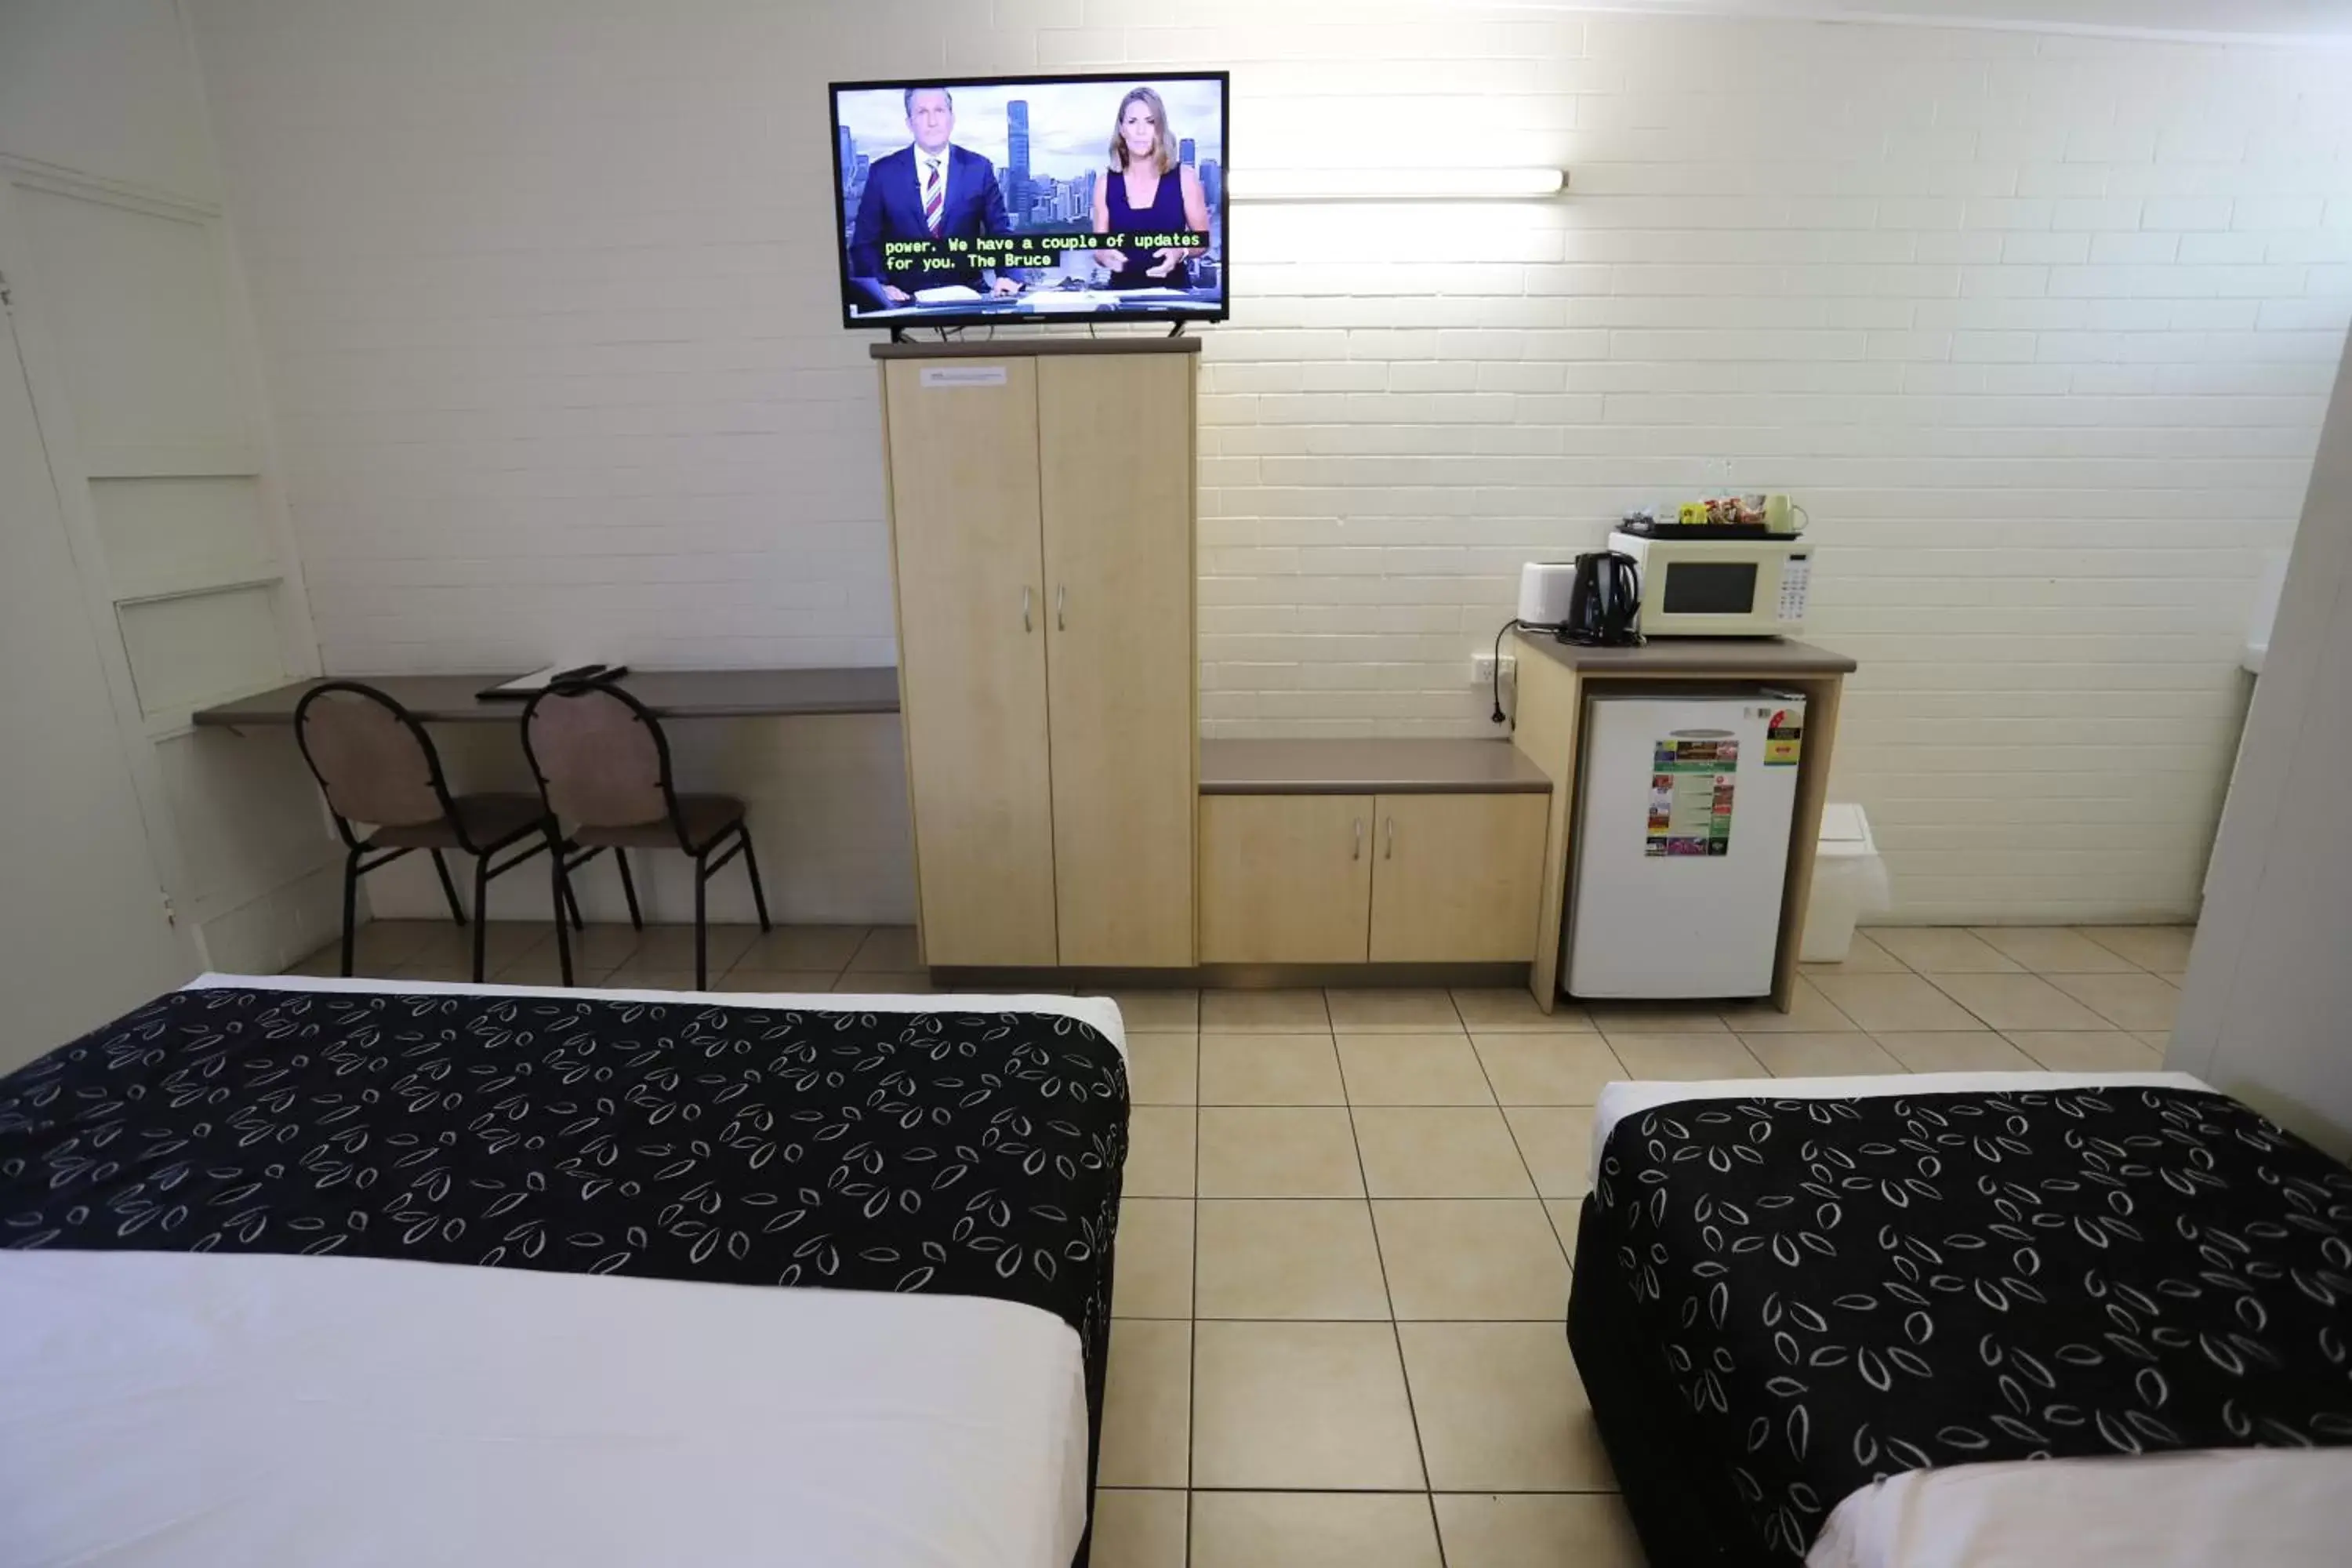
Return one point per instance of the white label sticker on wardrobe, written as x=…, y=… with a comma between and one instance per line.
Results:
x=963, y=375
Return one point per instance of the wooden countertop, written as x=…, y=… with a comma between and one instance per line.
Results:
x=1760, y=658
x=1368, y=767
x=1029, y=346
x=670, y=693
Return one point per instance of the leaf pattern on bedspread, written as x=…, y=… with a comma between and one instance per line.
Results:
x=974, y=1154
x=1843, y=1290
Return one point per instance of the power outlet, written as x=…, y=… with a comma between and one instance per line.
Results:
x=1482, y=668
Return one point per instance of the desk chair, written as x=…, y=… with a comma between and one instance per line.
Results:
x=603, y=766
x=375, y=764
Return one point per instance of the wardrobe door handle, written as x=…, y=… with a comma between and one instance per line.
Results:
x=1360, y=840
x=1024, y=608
x=1390, y=853
x=1060, y=593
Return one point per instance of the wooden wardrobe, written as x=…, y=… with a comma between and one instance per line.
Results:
x=1042, y=515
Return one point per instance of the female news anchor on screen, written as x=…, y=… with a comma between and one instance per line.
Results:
x=1146, y=191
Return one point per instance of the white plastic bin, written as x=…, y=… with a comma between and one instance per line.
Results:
x=1849, y=881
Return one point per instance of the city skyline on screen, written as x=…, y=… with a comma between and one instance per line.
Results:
x=1069, y=122
x=1014, y=245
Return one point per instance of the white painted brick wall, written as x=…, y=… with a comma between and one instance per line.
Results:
x=2039, y=328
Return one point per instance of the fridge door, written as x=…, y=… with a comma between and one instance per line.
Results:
x=1681, y=844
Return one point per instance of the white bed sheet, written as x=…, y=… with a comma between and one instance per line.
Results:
x=199, y=1409
x=174, y=1408
x=1100, y=1011
x=2230, y=1507
x=2247, y=1508
x=1619, y=1100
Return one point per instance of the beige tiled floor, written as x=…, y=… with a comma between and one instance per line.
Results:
x=660, y=957
x=1384, y=1379
x=1350, y=1217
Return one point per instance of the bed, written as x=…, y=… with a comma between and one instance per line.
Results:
x=365, y=1271
x=1851, y=1322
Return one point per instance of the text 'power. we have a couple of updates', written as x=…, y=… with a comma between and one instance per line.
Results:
x=953, y=255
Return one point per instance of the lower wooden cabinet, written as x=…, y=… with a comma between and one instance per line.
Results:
x=1404, y=879
x=1285, y=878
x=1457, y=878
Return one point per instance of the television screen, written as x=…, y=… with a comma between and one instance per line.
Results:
x=1084, y=198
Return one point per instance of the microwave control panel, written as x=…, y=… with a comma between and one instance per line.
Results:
x=1796, y=578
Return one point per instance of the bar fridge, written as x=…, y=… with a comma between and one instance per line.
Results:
x=1681, y=844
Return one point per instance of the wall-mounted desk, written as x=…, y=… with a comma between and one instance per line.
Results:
x=824, y=798
x=670, y=693
x=1553, y=680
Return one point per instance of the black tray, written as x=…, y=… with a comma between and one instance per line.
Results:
x=1701, y=530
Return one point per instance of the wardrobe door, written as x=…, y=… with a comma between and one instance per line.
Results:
x=1115, y=460
x=971, y=659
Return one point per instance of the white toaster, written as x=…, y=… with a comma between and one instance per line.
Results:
x=1543, y=591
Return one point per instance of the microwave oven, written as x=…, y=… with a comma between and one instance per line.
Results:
x=1695, y=582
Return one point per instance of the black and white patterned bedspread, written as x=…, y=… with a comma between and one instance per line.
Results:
x=1843, y=1290
x=977, y=1154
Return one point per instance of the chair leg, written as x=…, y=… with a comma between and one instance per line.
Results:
x=628, y=888
x=482, y=914
x=701, y=926
x=350, y=909
x=751, y=864
x=558, y=895
x=449, y=887
x=571, y=900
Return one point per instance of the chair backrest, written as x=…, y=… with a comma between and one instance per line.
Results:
x=600, y=755
x=369, y=756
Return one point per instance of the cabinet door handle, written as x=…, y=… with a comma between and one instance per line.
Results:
x=1389, y=853
x=1360, y=840
x=1060, y=592
x=1024, y=608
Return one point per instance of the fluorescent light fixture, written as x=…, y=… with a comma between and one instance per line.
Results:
x=1430, y=185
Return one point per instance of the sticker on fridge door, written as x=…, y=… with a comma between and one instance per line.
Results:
x=1691, y=786
x=1784, y=742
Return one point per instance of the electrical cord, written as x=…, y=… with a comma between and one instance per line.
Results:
x=1496, y=669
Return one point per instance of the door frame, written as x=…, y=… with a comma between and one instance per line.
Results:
x=37, y=360
x=42, y=362
x=138, y=755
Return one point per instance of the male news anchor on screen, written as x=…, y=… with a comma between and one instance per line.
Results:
x=932, y=189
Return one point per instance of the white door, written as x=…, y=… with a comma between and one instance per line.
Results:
x=1681, y=846
x=83, y=934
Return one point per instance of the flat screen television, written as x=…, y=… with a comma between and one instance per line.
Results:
x=964, y=202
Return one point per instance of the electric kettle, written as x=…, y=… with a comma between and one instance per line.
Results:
x=1604, y=603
